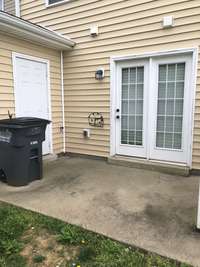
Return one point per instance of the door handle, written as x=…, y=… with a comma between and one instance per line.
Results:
x=117, y=110
x=117, y=117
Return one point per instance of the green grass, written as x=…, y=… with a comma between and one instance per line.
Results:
x=93, y=250
x=38, y=258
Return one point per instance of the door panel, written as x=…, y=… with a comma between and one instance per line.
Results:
x=131, y=124
x=170, y=108
x=132, y=106
x=31, y=92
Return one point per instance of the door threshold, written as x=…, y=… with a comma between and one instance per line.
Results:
x=153, y=165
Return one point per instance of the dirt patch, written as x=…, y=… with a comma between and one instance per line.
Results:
x=43, y=250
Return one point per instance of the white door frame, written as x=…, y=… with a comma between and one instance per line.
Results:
x=16, y=55
x=113, y=85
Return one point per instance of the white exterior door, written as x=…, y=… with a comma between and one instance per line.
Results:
x=153, y=108
x=31, y=92
x=131, y=108
x=170, y=108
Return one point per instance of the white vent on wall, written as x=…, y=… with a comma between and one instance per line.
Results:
x=168, y=22
x=94, y=30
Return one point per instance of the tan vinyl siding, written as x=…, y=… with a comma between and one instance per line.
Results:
x=10, y=44
x=9, y=6
x=125, y=28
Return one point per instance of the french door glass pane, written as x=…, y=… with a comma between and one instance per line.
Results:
x=132, y=106
x=171, y=84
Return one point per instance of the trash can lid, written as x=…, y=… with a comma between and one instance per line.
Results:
x=23, y=122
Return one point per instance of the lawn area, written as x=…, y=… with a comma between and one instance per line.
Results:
x=30, y=239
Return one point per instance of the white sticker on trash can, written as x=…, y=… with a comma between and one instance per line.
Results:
x=34, y=143
x=5, y=136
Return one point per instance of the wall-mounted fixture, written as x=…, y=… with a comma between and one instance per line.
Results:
x=94, y=30
x=99, y=74
x=168, y=22
x=86, y=133
x=96, y=119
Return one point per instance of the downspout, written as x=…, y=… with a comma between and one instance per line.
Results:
x=63, y=100
x=2, y=7
x=17, y=8
x=198, y=211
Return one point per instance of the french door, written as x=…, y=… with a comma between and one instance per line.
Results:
x=153, y=108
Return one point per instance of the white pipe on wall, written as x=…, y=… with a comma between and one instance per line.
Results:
x=63, y=100
x=17, y=8
x=198, y=211
x=2, y=6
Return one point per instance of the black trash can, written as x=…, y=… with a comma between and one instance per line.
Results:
x=21, y=149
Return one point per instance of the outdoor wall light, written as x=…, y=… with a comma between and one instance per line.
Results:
x=99, y=74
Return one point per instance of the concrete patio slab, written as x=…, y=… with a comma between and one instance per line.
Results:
x=154, y=211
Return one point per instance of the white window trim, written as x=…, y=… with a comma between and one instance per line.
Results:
x=55, y=4
x=2, y=6
x=113, y=84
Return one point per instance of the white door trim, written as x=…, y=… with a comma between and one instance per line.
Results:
x=113, y=85
x=16, y=55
